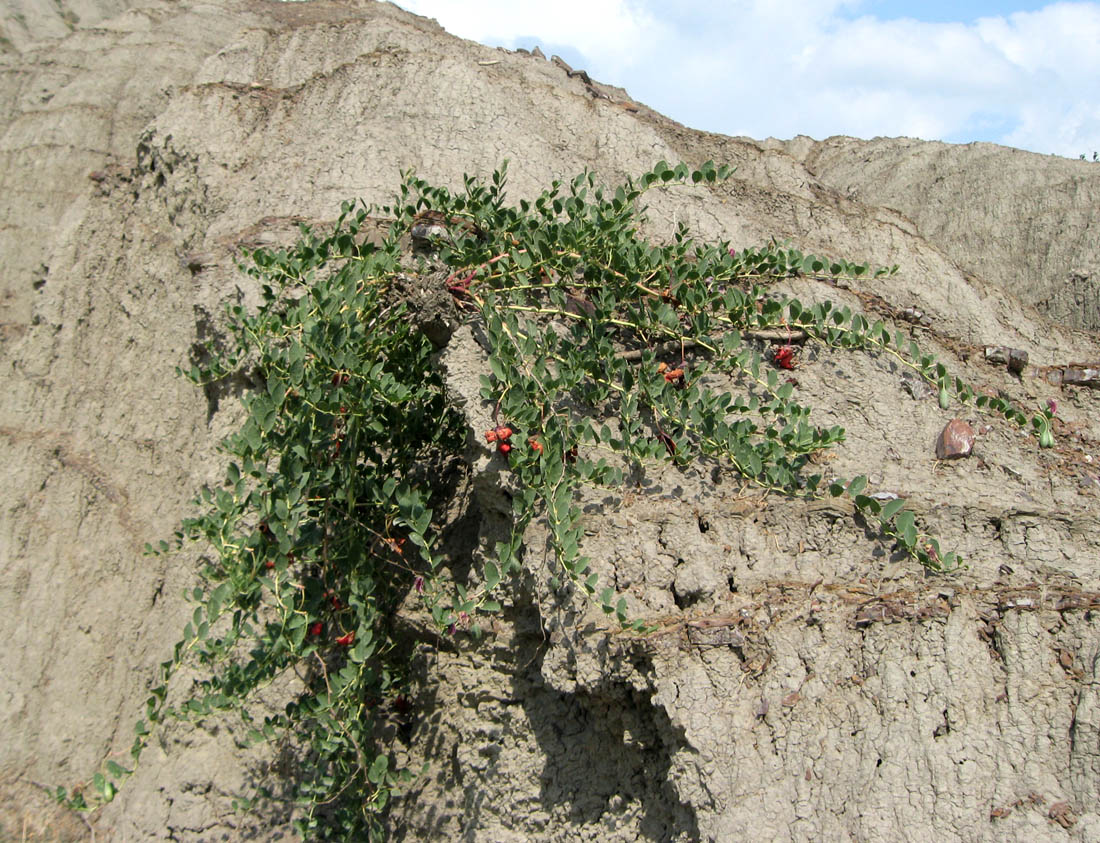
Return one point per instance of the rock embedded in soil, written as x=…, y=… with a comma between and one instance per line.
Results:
x=1081, y=375
x=916, y=386
x=956, y=440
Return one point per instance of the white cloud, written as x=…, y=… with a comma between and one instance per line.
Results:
x=1063, y=38
x=613, y=34
x=822, y=67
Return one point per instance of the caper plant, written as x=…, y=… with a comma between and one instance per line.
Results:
x=603, y=348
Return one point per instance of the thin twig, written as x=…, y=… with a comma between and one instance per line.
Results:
x=672, y=345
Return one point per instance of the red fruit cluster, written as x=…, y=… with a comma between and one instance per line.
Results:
x=396, y=545
x=785, y=357
x=500, y=434
x=673, y=376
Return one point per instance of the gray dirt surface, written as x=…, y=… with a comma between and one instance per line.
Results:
x=804, y=683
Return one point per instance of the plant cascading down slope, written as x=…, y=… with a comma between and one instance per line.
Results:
x=603, y=349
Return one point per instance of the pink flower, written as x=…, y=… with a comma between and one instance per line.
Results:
x=1052, y=405
x=418, y=584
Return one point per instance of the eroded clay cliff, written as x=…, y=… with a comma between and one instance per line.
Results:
x=805, y=683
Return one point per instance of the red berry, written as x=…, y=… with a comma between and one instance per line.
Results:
x=504, y=447
x=315, y=628
x=345, y=640
x=490, y=436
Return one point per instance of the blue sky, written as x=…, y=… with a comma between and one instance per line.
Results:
x=1024, y=74
x=937, y=11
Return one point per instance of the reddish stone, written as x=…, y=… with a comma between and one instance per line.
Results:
x=956, y=441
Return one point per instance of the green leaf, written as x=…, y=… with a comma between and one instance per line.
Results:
x=910, y=535
x=378, y=769
x=492, y=576
x=906, y=527
x=891, y=508
x=117, y=770
x=265, y=414
x=364, y=646
x=868, y=504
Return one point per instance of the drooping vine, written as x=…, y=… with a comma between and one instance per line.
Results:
x=606, y=353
